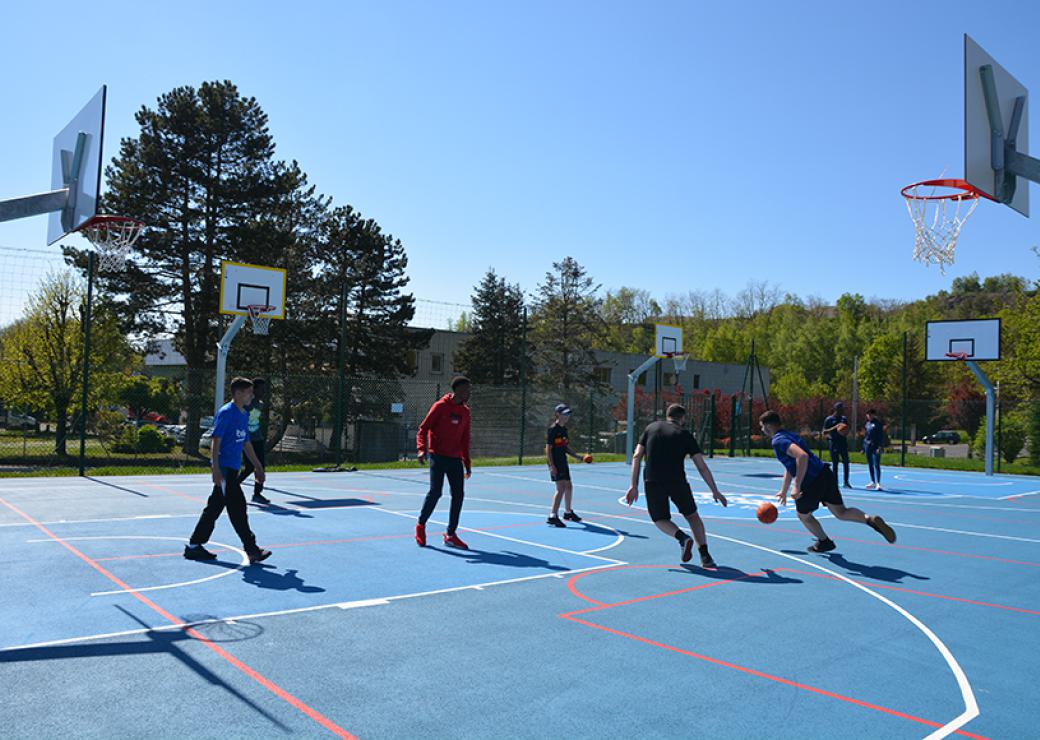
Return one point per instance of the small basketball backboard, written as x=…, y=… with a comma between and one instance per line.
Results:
x=978, y=133
x=977, y=339
x=243, y=285
x=87, y=130
x=668, y=340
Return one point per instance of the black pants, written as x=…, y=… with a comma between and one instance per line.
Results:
x=234, y=501
x=248, y=467
x=439, y=467
x=840, y=453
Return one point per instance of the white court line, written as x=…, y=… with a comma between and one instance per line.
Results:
x=305, y=609
x=223, y=574
x=103, y=520
x=504, y=537
x=1019, y=495
x=966, y=532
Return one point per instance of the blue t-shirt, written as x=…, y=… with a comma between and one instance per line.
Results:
x=232, y=428
x=782, y=440
x=834, y=437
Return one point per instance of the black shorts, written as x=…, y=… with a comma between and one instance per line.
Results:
x=823, y=490
x=563, y=472
x=658, y=495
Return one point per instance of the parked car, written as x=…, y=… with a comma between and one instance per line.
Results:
x=176, y=431
x=206, y=440
x=942, y=437
x=206, y=422
x=20, y=421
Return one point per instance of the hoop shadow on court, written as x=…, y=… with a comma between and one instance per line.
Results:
x=507, y=558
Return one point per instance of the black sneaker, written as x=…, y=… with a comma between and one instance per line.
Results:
x=687, y=549
x=822, y=546
x=259, y=498
x=258, y=556
x=848, y=485
x=570, y=516
x=555, y=521
x=706, y=560
x=881, y=527
x=198, y=553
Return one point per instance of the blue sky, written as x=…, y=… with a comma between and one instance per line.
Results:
x=670, y=146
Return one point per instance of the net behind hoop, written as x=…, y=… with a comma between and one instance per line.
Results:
x=261, y=324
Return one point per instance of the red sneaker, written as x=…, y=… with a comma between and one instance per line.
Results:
x=420, y=535
x=452, y=540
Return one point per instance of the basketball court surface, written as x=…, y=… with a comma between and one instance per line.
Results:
x=596, y=629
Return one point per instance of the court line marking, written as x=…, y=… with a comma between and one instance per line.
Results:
x=271, y=686
x=102, y=520
x=969, y=533
x=223, y=574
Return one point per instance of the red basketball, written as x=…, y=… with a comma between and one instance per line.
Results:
x=766, y=513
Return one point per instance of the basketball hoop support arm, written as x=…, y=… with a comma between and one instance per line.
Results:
x=222, y=352
x=55, y=200
x=630, y=418
x=1007, y=162
x=990, y=404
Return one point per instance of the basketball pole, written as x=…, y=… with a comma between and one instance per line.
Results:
x=990, y=411
x=630, y=416
x=87, y=311
x=223, y=346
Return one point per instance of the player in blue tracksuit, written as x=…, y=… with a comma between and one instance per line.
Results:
x=836, y=440
x=873, y=444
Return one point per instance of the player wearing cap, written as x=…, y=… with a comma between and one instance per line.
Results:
x=666, y=445
x=814, y=483
x=557, y=448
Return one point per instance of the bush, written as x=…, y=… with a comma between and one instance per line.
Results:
x=1034, y=432
x=1012, y=438
x=145, y=440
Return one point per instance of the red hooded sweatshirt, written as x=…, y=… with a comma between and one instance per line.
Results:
x=445, y=430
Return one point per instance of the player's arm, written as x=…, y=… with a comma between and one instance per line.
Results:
x=801, y=458
x=632, y=495
x=214, y=461
x=782, y=496
x=258, y=468
x=702, y=468
x=423, y=435
x=465, y=448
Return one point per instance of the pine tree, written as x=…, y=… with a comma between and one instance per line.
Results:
x=494, y=353
x=566, y=326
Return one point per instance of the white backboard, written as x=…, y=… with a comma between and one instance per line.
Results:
x=90, y=121
x=978, y=161
x=243, y=285
x=979, y=339
x=668, y=340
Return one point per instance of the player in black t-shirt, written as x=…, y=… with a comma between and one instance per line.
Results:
x=666, y=445
x=557, y=448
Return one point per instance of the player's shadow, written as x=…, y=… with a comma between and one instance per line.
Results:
x=277, y=510
x=507, y=558
x=600, y=529
x=877, y=572
x=726, y=573
x=267, y=576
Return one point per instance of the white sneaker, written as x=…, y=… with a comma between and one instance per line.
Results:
x=871, y=486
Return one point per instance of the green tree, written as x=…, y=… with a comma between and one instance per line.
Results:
x=142, y=394
x=566, y=326
x=494, y=353
x=41, y=356
x=629, y=315
x=202, y=174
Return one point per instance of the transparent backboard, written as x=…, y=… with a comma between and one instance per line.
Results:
x=978, y=158
x=978, y=339
x=86, y=187
x=243, y=285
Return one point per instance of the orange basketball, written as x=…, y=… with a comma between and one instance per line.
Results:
x=766, y=513
x=843, y=428
x=587, y=458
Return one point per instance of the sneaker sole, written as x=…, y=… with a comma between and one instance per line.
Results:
x=687, y=550
x=881, y=527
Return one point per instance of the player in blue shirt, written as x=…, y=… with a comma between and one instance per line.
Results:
x=230, y=438
x=832, y=427
x=873, y=444
x=814, y=483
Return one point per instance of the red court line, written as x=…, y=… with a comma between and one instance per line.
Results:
x=872, y=584
x=771, y=528
x=253, y=674
x=743, y=669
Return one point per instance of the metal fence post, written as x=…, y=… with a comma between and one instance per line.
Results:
x=87, y=318
x=523, y=389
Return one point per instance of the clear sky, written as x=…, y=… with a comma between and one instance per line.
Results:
x=666, y=145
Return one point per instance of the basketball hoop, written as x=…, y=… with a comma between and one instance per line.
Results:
x=112, y=237
x=261, y=324
x=959, y=356
x=678, y=361
x=938, y=217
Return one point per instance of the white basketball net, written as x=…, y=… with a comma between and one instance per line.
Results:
x=112, y=238
x=937, y=224
x=679, y=361
x=261, y=324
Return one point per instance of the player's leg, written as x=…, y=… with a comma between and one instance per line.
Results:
x=809, y=502
x=568, y=497
x=437, y=472
x=456, y=481
x=845, y=463
x=238, y=513
x=554, y=515
x=259, y=448
x=204, y=528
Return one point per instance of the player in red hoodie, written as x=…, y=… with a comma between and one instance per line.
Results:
x=444, y=437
